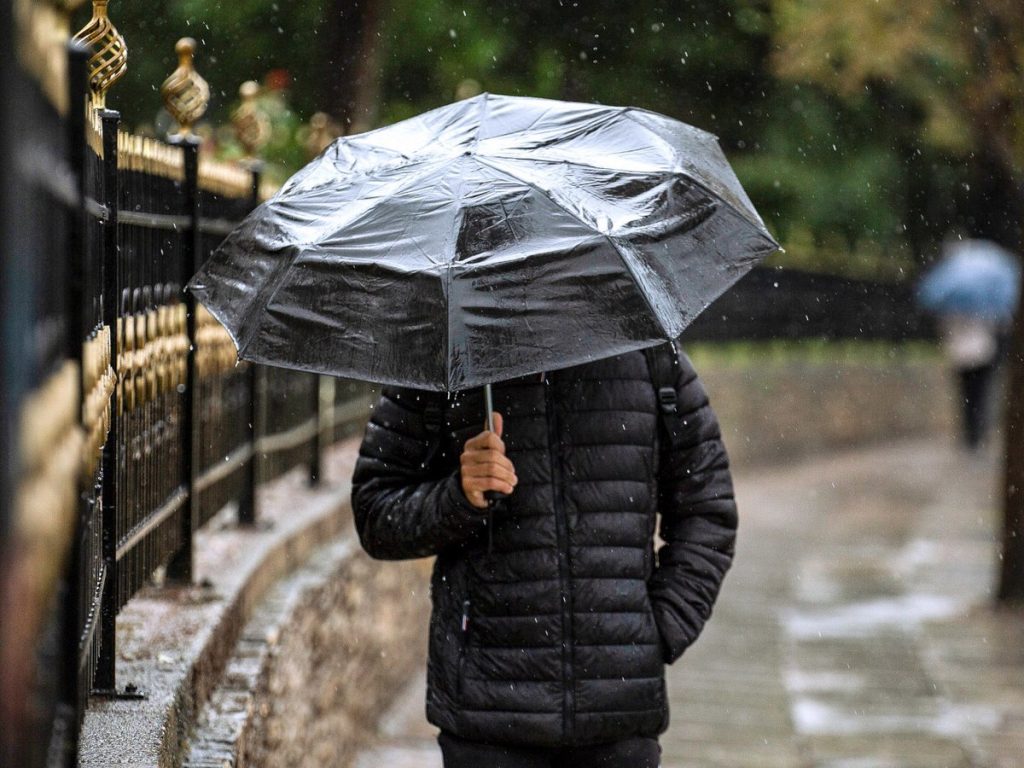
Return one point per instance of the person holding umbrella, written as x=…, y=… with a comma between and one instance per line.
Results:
x=548, y=648
x=520, y=262
x=974, y=291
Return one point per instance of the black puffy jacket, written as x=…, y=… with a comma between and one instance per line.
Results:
x=559, y=634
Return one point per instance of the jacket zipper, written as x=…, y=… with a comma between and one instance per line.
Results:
x=463, y=642
x=568, y=704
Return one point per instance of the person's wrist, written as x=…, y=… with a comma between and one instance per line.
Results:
x=459, y=497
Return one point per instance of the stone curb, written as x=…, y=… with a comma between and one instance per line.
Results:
x=174, y=643
x=224, y=736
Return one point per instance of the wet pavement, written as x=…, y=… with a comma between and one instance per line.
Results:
x=854, y=631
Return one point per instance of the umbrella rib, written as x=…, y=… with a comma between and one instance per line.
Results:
x=573, y=215
x=515, y=158
x=742, y=213
x=449, y=319
x=372, y=172
x=481, y=118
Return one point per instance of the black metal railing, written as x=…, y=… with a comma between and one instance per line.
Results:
x=120, y=370
x=772, y=304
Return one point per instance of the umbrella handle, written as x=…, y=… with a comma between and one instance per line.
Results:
x=491, y=496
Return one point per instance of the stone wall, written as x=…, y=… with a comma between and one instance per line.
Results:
x=344, y=653
x=776, y=408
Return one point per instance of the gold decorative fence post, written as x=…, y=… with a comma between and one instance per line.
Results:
x=109, y=60
x=185, y=93
x=319, y=134
x=252, y=128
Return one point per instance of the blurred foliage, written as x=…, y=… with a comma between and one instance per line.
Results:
x=957, y=66
x=850, y=124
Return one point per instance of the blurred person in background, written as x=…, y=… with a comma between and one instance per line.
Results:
x=974, y=291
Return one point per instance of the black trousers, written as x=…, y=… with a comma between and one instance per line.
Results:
x=638, y=752
x=975, y=394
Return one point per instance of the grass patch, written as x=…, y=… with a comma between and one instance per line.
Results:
x=813, y=351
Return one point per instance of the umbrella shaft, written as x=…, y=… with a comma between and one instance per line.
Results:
x=489, y=407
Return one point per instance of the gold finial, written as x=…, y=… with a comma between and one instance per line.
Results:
x=252, y=128
x=185, y=94
x=320, y=133
x=109, y=60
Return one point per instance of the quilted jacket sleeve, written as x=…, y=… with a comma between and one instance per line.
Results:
x=698, y=518
x=404, y=506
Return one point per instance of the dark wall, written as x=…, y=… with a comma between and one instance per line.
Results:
x=772, y=304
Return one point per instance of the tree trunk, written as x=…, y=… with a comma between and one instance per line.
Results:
x=351, y=70
x=1011, y=577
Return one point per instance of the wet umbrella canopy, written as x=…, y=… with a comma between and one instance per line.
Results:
x=492, y=238
x=976, y=277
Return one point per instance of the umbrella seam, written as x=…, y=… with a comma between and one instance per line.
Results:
x=625, y=262
x=398, y=188
x=453, y=238
x=758, y=223
x=481, y=118
x=261, y=307
x=356, y=175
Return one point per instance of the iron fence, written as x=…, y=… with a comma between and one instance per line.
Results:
x=127, y=420
x=770, y=304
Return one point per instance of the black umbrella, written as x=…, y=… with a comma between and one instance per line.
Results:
x=488, y=239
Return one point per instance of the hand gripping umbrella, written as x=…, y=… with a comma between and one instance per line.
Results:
x=488, y=239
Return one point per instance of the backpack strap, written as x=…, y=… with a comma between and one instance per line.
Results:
x=662, y=362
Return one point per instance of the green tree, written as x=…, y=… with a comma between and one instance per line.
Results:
x=961, y=65
x=821, y=169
